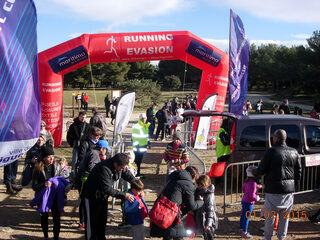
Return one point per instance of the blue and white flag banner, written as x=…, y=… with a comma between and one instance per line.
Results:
x=19, y=82
x=238, y=65
x=123, y=114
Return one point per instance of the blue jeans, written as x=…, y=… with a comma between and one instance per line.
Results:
x=10, y=172
x=245, y=216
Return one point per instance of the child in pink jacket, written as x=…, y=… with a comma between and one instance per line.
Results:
x=250, y=196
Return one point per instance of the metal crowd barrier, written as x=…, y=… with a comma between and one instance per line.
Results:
x=119, y=148
x=195, y=161
x=235, y=174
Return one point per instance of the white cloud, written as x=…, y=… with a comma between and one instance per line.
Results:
x=122, y=11
x=301, y=36
x=283, y=10
x=279, y=42
x=224, y=44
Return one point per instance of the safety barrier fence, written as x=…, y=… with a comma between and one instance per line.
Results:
x=119, y=148
x=195, y=160
x=235, y=175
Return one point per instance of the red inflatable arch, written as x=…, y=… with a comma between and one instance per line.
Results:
x=127, y=47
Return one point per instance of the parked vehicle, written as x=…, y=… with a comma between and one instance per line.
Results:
x=252, y=135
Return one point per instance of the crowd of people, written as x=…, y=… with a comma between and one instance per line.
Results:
x=94, y=171
x=282, y=108
x=168, y=117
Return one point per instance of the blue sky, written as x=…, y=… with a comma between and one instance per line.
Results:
x=285, y=22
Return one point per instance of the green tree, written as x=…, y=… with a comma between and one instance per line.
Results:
x=171, y=82
x=189, y=75
x=141, y=70
x=80, y=78
x=110, y=75
x=147, y=91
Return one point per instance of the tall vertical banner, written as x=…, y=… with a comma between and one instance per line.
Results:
x=204, y=123
x=19, y=81
x=238, y=65
x=123, y=114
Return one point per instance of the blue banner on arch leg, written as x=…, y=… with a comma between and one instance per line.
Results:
x=19, y=82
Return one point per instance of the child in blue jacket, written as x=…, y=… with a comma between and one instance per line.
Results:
x=136, y=211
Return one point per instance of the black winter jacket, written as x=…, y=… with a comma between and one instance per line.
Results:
x=149, y=114
x=282, y=169
x=74, y=134
x=180, y=190
x=85, y=146
x=91, y=159
x=99, y=185
x=162, y=117
x=40, y=177
x=35, y=151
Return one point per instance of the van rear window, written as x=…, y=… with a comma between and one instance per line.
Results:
x=313, y=136
x=293, y=134
x=253, y=136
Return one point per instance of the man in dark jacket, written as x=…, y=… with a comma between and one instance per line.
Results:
x=180, y=190
x=107, y=104
x=98, y=188
x=162, y=116
x=285, y=107
x=282, y=169
x=77, y=132
x=98, y=120
x=151, y=118
x=92, y=158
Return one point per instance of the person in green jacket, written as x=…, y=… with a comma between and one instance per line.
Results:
x=223, y=145
x=140, y=140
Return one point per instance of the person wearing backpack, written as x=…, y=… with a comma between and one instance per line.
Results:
x=180, y=190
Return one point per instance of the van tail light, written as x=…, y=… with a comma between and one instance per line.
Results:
x=233, y=138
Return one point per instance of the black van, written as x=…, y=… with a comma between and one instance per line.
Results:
x=251, y=135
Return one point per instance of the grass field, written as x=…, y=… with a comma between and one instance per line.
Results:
x=96, y=98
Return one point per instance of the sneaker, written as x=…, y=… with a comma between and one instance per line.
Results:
x=246, y=235
x=81, y=226
x=16, y=187
x=162, y=140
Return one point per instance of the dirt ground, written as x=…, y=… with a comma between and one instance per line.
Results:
x=19, y=221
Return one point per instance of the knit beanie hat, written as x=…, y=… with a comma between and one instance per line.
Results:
x=46, y=151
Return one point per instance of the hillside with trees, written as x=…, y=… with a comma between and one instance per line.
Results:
x=295, y=70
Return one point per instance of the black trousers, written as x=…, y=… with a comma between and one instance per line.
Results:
x=96, y=219
x=138, y=159
x=56, y=221
x=161, y=128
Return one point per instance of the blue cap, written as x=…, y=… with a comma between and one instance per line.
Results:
x=103, y=144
